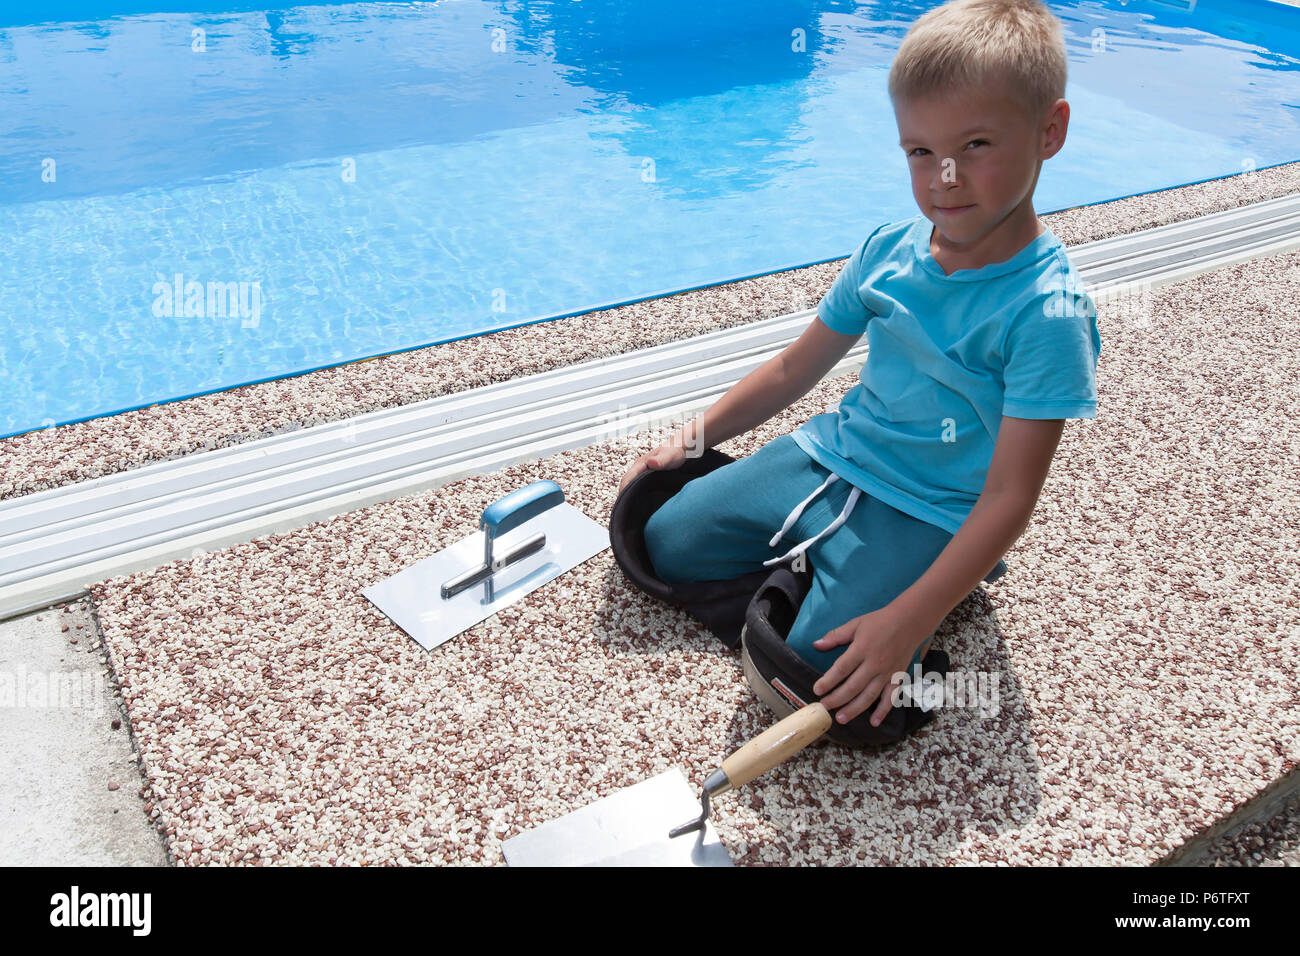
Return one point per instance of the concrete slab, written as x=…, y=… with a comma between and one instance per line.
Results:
x=70, y=780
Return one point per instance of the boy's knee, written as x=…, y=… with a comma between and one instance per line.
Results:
x=802, y=635
x=801, y=638
x=662, y=546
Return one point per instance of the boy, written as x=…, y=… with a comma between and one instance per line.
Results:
x=982, y=342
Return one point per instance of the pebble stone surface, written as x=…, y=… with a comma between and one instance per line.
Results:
x=1271, y=842
x=1143, y=645
x=1143, y=642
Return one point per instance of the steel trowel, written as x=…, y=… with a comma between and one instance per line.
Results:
x=526, y=538
x=635, y=826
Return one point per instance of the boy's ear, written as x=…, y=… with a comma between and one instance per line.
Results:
x=1054, y=129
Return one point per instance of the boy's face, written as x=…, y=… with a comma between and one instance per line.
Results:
x=979, y=152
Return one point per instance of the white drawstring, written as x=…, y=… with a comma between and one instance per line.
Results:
x=794, y=516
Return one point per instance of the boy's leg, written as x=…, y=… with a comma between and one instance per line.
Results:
x=875, y=556
x=719, y=525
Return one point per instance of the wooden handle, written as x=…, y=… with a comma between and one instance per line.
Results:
x=777, y=744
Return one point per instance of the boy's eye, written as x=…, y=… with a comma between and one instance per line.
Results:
x=974, y=142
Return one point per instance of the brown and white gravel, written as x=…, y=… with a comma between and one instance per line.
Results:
x=1273, y=841
x=1144, y=644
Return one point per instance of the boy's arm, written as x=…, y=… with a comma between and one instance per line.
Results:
x=1021, y=458
x=769, y=389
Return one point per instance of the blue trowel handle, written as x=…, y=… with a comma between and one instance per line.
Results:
x=508, y=513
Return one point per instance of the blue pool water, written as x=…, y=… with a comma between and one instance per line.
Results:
x=364, y=178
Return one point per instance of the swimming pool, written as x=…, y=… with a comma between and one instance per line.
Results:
x=192, y=200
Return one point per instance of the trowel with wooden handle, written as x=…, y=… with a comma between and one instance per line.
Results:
x=634, y=827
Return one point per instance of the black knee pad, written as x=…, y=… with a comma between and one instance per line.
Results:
x=719, y=605
x=753, y=612
x=784, y=681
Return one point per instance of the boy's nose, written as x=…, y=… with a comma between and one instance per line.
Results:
x=947, y=177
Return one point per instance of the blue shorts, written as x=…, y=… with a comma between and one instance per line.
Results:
x=721, y=525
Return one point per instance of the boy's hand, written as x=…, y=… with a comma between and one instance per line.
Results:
x=667, y=455
x=881, y=644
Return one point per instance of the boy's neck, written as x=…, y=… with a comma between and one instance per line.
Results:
x=999, y=244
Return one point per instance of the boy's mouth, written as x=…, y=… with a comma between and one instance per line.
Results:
x=953, y=210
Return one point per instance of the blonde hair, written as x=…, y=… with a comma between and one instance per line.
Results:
x=973, y=44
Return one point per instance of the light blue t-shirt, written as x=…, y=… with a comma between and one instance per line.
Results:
x=948, y=356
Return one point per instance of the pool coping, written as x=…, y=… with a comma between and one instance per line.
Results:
x=62, y=455
x=54, y=542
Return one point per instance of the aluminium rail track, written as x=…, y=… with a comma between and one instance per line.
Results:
x=54, y=543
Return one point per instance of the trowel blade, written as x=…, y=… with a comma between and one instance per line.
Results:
x=412, y=597
x=627, y=828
